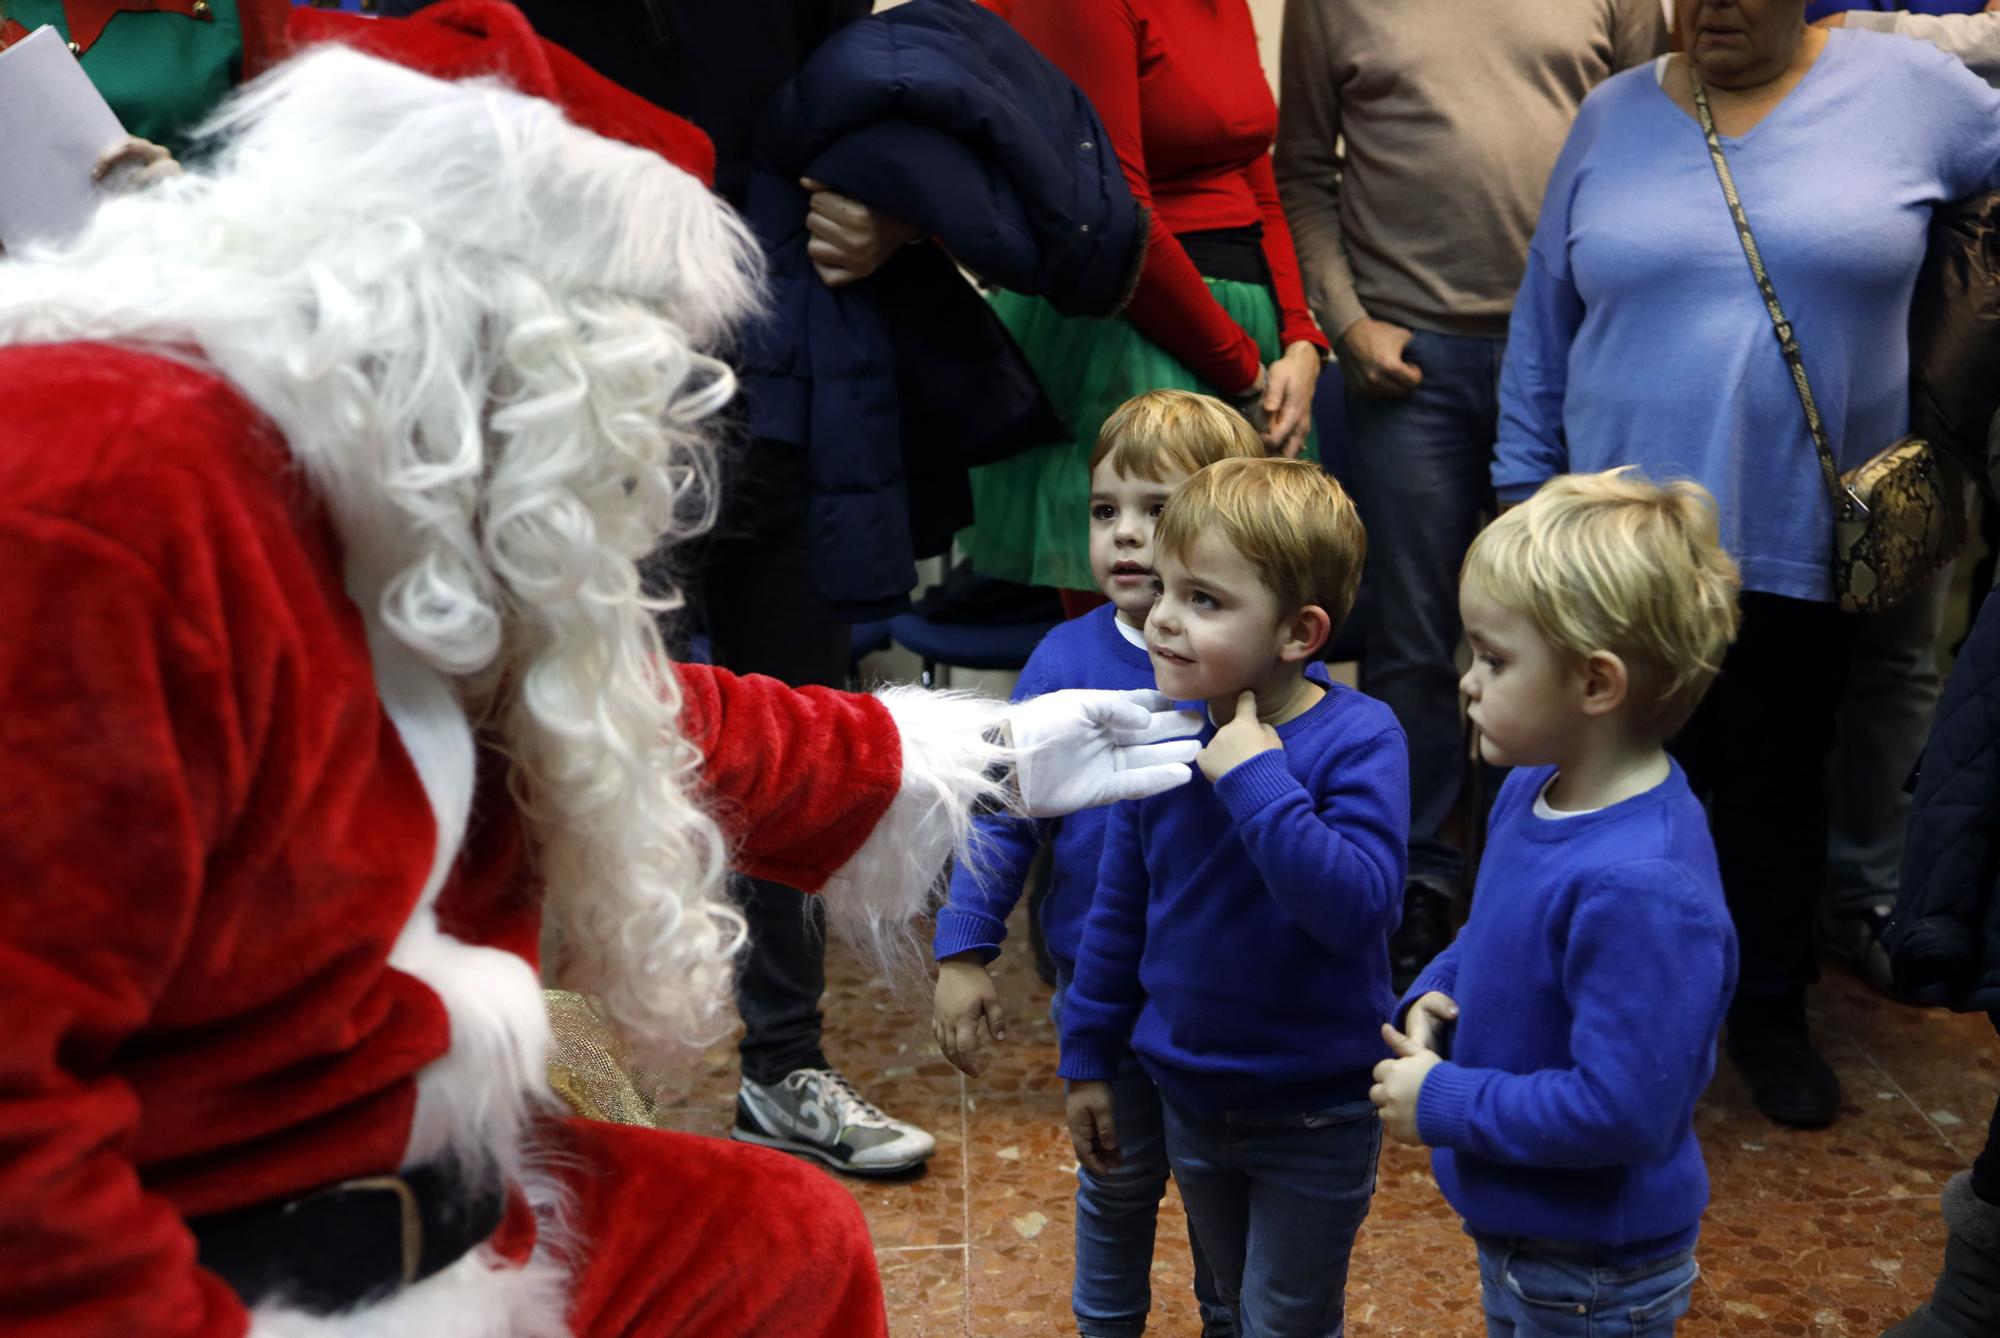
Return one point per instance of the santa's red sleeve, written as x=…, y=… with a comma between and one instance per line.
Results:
x=108, y=806
x=861, y=796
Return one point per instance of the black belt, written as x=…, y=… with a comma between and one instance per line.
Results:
x=338, y=1247
x=1236, y=254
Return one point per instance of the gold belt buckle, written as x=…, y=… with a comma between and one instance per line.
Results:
x=406, y=1203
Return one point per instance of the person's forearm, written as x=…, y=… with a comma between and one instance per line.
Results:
x=1308, y=169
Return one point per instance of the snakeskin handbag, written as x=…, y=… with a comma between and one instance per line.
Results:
x=1897, y=518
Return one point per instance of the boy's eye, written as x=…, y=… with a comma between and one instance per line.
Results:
x=1159, y=587
x=1103, y=511
x=1156, y=509
x=1490, y=660
x=1201, y=599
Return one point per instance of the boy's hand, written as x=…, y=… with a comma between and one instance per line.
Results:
x=1398, y=1083
x=1091, y=1129
x=965, y=996
x=1237, y=742
x=1428, y=1016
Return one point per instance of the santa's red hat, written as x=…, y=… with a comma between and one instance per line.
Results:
x=464, y=39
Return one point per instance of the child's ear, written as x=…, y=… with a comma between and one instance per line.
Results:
x=1606, y=683
x=1305, y=634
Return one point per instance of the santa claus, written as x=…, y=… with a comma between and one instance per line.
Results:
x=331, y=692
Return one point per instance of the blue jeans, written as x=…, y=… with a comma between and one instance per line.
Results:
x=1275, y=1201
x=1553, y=1292
x=1419, y=469
x=1116, y=1215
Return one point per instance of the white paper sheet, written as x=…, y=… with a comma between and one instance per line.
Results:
x=53, y=127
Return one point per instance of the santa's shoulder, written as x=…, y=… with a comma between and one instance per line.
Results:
x=96, y=415
x=92, y=429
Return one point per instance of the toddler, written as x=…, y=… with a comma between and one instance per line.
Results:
x=1239, y=935
x=1144, y=450
x=1554, y=1053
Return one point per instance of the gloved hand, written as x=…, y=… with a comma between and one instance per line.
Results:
x=1083, y=747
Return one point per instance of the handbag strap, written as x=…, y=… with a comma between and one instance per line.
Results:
x=1845, y=503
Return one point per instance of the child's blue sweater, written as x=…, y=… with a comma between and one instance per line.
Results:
x=1240, y=930
x=1086, y=652
x=1591, y=981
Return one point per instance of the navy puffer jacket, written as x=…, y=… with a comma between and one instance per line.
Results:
x=1945, y=938
x=939, y=114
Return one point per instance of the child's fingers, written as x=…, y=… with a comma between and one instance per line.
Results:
x=968, y=1046
x=1400, y=1043
x=996, y=1020
x=1246, y=707
x=1107, y=1137
x=1083, y=1140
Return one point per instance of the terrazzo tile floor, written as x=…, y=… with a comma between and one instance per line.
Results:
x=1813, y=1234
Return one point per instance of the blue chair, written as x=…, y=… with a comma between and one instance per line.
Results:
x=866, y=639
x=967, y=645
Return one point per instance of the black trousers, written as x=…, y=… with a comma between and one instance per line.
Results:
x=752, y=581
x=1757, y=750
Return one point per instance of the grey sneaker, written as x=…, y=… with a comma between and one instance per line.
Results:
x=818, y=1113
x=1856, y=939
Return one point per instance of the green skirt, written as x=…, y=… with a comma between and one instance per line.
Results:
x=1031, y=510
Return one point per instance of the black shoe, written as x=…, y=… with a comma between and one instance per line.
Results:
x=1424, y=933
x=1789, y=1082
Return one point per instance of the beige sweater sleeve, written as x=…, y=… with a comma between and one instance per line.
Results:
x=1638, y=32
x=1308, y=166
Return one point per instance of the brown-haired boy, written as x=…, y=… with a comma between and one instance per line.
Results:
x=1144, y=451
x=1240, y=930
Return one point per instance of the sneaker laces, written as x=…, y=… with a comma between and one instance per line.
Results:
x=855, y=1110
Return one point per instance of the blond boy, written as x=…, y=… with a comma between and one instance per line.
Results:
x=1240, y=937
x=1554, y=1053
x=1144, y=451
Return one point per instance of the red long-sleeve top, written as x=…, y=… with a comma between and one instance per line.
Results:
x=1183, y=98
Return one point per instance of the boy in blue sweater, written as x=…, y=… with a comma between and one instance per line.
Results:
x=1240, y=931
x=1555, y=1051
x=1144, y=451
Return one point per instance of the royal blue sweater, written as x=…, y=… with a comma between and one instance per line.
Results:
x=1240, y=931
x=1591, y=981
x=1086, y=652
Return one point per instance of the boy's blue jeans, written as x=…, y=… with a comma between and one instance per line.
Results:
x=1116, y=1215
x=1534, y=1290
x=1275, y=1201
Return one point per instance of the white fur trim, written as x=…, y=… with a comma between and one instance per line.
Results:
x=477, y=1297
x=872, y=898
x=471, y=1102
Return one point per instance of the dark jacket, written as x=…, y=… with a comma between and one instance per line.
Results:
x=1955, y=332
x=939, y=114
x=716, y=62
x=1945, y=938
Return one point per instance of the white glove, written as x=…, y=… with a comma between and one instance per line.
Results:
x=1080, y=748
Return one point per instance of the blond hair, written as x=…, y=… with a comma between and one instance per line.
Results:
x=1615, y=562
x=1288, y=518
x=1172, y=431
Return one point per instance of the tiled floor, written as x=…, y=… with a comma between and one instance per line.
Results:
x=1810, y=1234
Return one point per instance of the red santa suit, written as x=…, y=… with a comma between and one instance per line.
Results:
x=269, y=907
x=222, y=981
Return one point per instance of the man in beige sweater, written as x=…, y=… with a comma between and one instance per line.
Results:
x=1412, y=240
